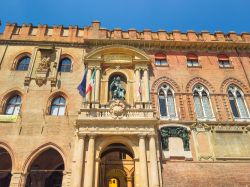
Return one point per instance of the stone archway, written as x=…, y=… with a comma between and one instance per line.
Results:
x=46, y=170
x=116, y=162
x=5, y=167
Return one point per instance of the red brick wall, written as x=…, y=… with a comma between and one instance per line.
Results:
x=182, y=174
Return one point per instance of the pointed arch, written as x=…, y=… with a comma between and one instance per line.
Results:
x=199, y=80
x=226, y=83
x=158, y=82
x=10, y=151
x=36, y=152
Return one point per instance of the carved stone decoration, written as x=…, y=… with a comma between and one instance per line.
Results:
x=167, y=132
x=44, y=65
x=43, y=68
x=200, y=127
x=117, y=90
x=117, y=109
x=40, y=81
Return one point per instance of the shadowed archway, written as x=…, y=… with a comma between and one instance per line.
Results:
x=5, y=168
x=46, y=170
x=116, y=163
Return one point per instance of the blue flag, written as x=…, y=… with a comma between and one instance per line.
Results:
x=82, y=86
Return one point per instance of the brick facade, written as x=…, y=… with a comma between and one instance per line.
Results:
x=218, y=153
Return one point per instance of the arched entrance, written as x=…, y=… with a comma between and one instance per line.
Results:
x=116, y=167
x=46, y=170
x=5, y=167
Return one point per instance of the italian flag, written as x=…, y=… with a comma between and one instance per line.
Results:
x=139, y=90
x=91, y=82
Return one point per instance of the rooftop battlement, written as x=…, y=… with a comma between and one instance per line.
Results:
x=59, y=33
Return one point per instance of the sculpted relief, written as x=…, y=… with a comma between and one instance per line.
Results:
x=117, y=90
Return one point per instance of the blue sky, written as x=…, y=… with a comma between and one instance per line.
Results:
x=198, y=15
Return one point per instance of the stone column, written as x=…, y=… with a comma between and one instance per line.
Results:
x=145, y=86
x=129, y=182
x=18, y=179
x=154, y=173
x=97, y=88
x=66, y=179
x=96, y=96
x=78, y=166
x=89, y=169
x=137, y=81
x=143, y=161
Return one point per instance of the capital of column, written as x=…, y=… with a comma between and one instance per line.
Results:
x=152, y=135
x=142, y=136
x=82, y=136
x=92, y=135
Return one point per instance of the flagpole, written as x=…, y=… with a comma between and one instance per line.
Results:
x=149, y=98
x=84, y=96
x=94, y=87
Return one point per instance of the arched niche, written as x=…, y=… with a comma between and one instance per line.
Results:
x=123, y=81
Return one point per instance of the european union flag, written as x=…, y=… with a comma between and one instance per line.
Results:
x=82, y=86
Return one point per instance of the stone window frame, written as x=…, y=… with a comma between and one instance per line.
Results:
x=51, y=99
x=63, y=56
x=18, y=58
x=224, y=58
x=167, y=88
x=193, y=57
x=174, y=131
x=234, y=88
x=161, y=57
x=200, y=90
x=7, y=97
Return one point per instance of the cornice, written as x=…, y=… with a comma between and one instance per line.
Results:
x=152, y=44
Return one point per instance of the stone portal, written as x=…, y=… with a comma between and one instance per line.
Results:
x=116, y=167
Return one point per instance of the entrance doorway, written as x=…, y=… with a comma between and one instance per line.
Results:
x=113, y=182
x=116, y=167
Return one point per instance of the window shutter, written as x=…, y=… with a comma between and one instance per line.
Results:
x=162, y=103
x=171, y=106
x=207, y=107
x=198, y=107
x=242, y=107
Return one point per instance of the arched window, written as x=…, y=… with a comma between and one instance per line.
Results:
x=237, y=102
x=160, y=59
x=192, y=60
x=23, y=64
x=13, y=105
x=224, y=61
x=65, y=65
x=58, y=106
x=202, y=104
x=166, y=102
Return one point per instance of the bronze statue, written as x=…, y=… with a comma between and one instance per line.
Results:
x=117, y=91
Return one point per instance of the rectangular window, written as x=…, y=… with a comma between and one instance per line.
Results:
x=224, y=64
x=234, y=108
x=192, y=63
x=163, y=107
x=159, y=62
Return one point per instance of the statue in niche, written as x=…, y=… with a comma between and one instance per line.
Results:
x=117, y=91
